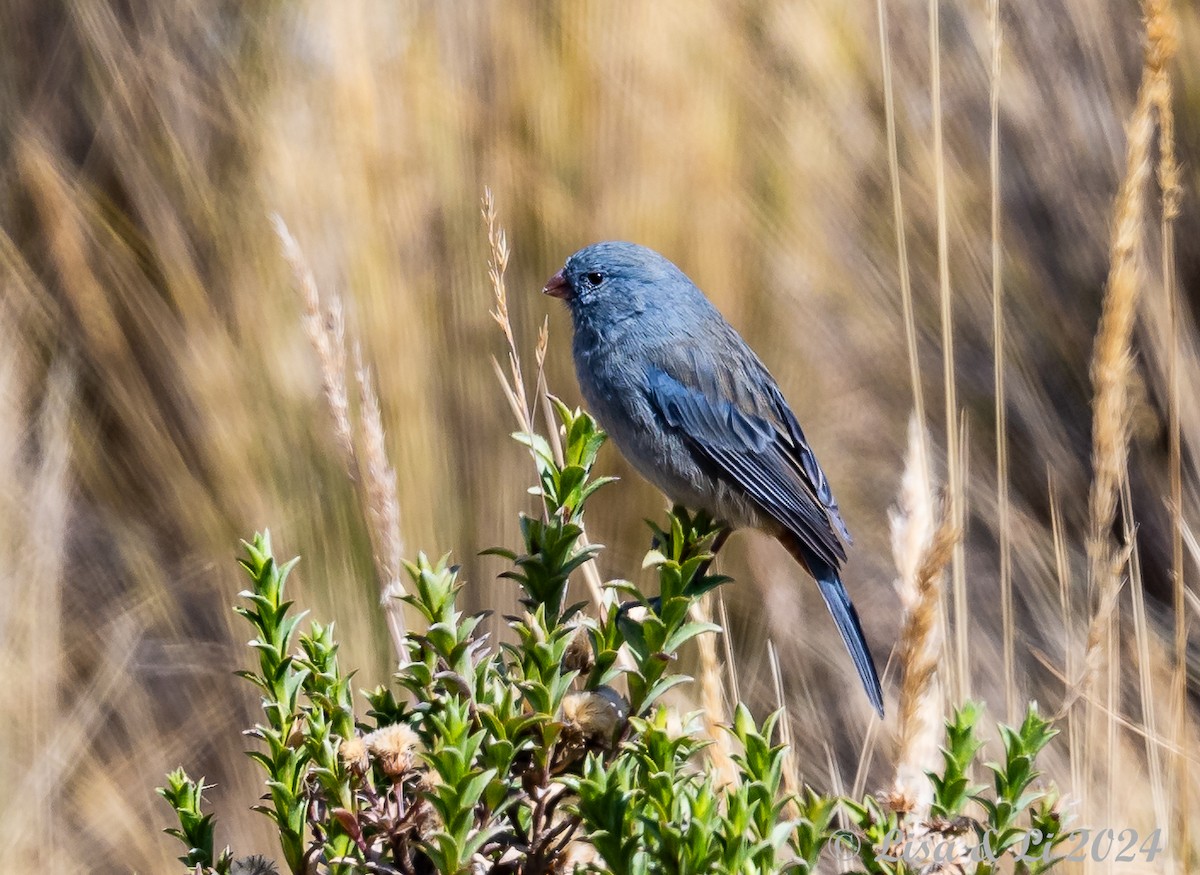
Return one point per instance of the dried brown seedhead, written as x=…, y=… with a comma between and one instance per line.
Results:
x=353, y=754
x=596, y=715
x=253, y=865
x=898, y=801
x=394, y=748
x=578, y=656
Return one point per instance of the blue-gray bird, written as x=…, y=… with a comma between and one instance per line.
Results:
x=697, y=413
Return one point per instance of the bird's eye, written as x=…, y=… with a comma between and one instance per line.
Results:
x=593, y=278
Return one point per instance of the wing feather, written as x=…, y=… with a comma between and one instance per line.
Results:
x=799, y=452
x=766, y=456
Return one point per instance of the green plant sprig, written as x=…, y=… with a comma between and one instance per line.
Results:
x=195, y=827
x=281, y=680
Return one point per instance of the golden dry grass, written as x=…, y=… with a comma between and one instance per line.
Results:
x=161, y=397
x=924, y=536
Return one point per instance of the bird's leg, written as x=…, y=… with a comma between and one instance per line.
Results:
x=717, y=544
x=655, y=604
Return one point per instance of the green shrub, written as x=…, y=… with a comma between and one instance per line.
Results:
x=554, y=750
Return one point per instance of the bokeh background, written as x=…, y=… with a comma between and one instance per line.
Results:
x=159, y=399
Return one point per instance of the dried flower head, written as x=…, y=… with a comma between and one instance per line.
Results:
x=898, y=801
x=424, y=816
x=957, y=826
x=394, y=748
x=596, y=714
x=579, y=652
x=353, y=754
x=255, y=865
x=428, y=782
x=936, y=847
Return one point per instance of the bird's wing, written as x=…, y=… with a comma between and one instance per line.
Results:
x=798, y=450
x=753, y=440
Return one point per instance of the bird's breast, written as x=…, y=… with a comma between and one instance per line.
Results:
x=615, y=385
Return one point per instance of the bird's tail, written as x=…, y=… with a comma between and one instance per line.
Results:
x=846, y=618
x=838, y=601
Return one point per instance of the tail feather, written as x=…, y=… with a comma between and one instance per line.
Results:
x=844, y=615
x=838, y=602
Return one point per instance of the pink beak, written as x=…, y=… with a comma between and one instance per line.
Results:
x=557, y=286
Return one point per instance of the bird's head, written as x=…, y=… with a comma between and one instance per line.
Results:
x=613, y=281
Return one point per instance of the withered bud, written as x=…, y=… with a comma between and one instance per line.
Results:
x=579, y=652
x=424, y=816
x=428, y=782
x=898, y=801
x=255, y=865
x=394, y=748
x=353, y=754
x=295, y=739
x=958, y=826
x=597, y=714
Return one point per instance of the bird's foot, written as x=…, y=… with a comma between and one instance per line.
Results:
x=654, y=604
x=717, y=544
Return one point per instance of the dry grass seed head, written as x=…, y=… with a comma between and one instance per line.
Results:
x=924, y=535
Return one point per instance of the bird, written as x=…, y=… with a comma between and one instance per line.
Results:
x=696, y=412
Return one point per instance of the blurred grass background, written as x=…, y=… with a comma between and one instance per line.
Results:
x=160, y=400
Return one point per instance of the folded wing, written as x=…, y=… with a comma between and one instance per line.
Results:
x=747, y=434
x=756, y=443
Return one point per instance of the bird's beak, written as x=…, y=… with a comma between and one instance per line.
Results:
x=557, y=286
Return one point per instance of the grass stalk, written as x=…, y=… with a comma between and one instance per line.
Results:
x=1165, y=26
x=791, y=775
x=1142, y=648
x=371, y=473
x=512, y=384
x=1003, y=522
x=905, y=274
x=1112, y=354
x=961, y=680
